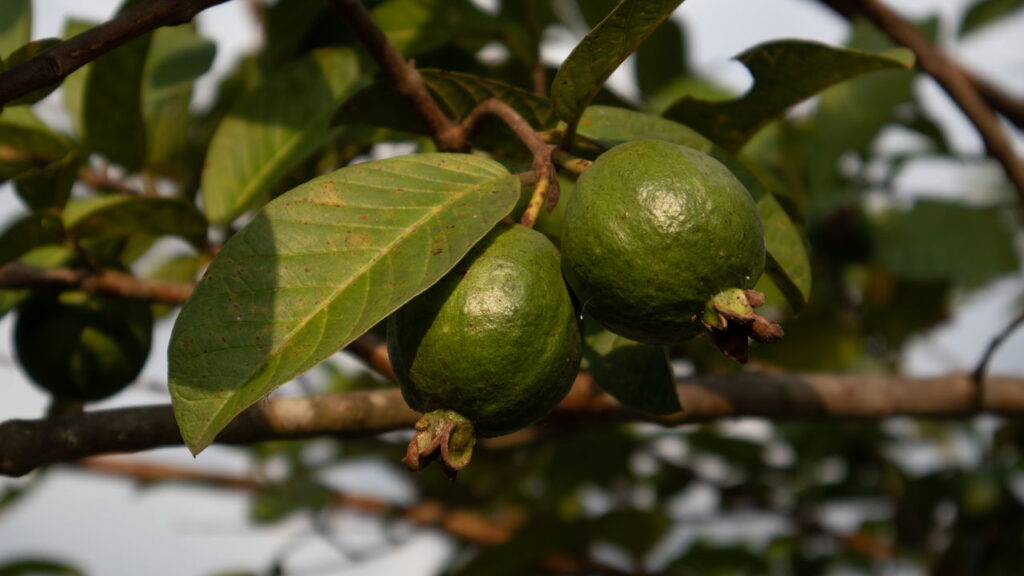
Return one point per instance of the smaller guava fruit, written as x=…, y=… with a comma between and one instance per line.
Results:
x=81, y=347
x=489, y=349
x=662, y=242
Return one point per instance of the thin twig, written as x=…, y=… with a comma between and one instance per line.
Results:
x=955, y=82
x=403, y=75
x=978, y=376
x=105, y=283
x=467, y=525
x=570, y=162
x=56, y=63
x=546, y=188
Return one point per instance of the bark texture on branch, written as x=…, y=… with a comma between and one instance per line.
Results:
x=29, y=444
x=53, y=65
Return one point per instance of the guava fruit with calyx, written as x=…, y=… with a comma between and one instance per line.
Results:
x=81, y=347
x=489, y=349
x=661, y=242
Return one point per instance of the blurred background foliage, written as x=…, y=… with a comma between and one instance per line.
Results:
x=730, y=498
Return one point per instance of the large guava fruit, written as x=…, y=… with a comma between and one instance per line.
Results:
x=81, y=347
x=496, y=342
x=661, y=242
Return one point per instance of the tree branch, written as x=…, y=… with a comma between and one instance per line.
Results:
x=546, y=187
x=958, y=84
x=29, y=444
x=105, y=283
x=53, y=65
x=403, y=75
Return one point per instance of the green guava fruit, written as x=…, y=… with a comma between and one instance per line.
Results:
x=82, y=347
x=657, y=238
x=496, y=341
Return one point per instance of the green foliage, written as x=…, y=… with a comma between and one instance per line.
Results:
x=981, y=249
x=594, y=59
x=317, y=268
x=271, y=129
x=300, y=246
x=785, y=73
x=638, y=375
x=15, y=26
x=985, y=12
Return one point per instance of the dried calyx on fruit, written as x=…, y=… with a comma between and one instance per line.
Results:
x=662, y=242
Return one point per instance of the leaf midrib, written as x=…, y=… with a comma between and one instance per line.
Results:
x=300, y=325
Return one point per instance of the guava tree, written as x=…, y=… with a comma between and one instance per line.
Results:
x=665, y=286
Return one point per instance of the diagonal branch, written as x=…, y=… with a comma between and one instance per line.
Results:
x=53, y=65
x=403, y=75
x=1000, y=101
x=957, y=83
x=29, y=444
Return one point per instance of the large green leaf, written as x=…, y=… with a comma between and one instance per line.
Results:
x=272, y=128
x=27, y=143
x=785, y=73
x=125, y=215
x=73, y=87
x=15, y=25
x=48, y=186
x=29, y=232
x=788, y=263
x=418, y=26
x=985, y=12
x=177, y=56
x=458, y=93
x=661, y=59
x=613, y=125
x=938, y=240
x=601, y=51
x=112, y=103
x=319, y=266
x=637, y=375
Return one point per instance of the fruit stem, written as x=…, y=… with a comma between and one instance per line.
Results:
x=570, y=162
x=444, y=434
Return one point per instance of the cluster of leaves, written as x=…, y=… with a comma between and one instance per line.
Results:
x=321, y=250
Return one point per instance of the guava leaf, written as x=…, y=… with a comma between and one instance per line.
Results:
x=637, y=375
x=661, y=59
x=26, y=142
x=126, y=215
x=48, y=186
x=272, y=128
x=73, y=87
x=458, y=93
x=613, y=125
x=319, y=266
x=788, y=262
x=177, y=56
x=977, y=247
x=419, y=26
x=601, y=51
x=112, y=123
x=15, y=25
x=29, y=566
x=29, y=232
x=985, y=12
x=785, y=72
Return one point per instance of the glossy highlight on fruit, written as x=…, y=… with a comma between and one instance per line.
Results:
x=652, y=233
x=82, y=347
x=496, y=341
